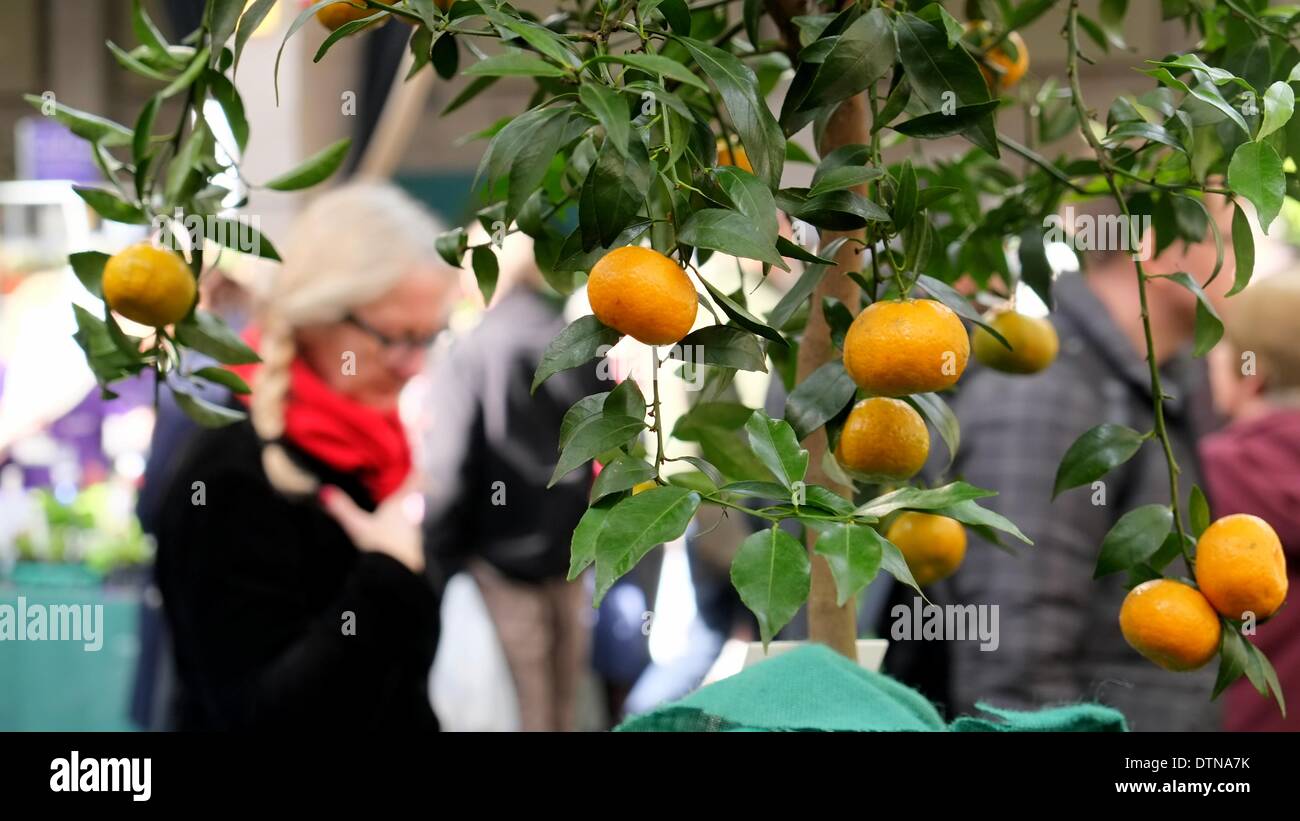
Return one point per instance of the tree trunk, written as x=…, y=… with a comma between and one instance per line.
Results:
x=828, y=622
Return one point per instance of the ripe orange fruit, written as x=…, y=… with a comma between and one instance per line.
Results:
x=1010, y=57
x=644, y=294
x=1240, y=566
x=1034, y=343
x=148, y=285
x=883, y=440
x=906, y=346
x=337, y=15
x=1170, y=623
x=933, y=545
x=734, y=156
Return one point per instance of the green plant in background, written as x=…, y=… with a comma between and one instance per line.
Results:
x=630, y=102
x=86, y=530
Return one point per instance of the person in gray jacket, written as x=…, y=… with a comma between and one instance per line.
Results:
x=1059, y=628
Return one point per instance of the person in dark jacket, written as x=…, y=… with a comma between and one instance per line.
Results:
x=289, y=561
x=492, y=446
x=1253, y=466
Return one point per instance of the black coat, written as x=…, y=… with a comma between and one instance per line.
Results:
x=260, y=591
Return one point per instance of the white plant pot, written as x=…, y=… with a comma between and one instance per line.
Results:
x=737, y=655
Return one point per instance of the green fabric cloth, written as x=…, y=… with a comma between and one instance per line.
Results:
x=813, y=688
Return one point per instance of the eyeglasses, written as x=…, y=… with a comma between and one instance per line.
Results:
x=389, y=343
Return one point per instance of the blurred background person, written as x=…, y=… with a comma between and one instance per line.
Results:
x=491, y=448
x=280, y=616
x=1253, y=465
x=1059, y=628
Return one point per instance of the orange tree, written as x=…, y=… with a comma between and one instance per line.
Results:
x=658, y=124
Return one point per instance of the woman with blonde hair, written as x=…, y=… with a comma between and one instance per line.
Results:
x=292, y=575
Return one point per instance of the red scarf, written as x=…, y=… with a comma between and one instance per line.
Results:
x=339, y=431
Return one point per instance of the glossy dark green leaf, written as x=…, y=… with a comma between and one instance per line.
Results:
x=971, y=513
x=915, y=498
x=90, y=127
x=762, y=138
x=610, y=108
x=110, y=206
x=1094, y=454
x=232, y=105
x=1255, y=172
x=592, y=438
x=723, y=346
x=861, y=55
x=1243, y=248
x=1262, y=675
x=452, y=246
x=772, y=574
x=514, y=63
x=207, y=334
x=89, y=268
x=1136, y=536
x=248, y=24
x=636, y=525
x=838, y=319
x=623, y=473
x=939, y=124
x=1198, y=511
x=949, y=296
x=1209, y=327
x=583, y=340
x=894, y=563
x=730, y=232
x=941, y=418
x=582, y=548
x=819, y=398
x=314, y=169
x=1233, y=658
x=486, y=270
x=445, y=56
x=775, y=444
x=853, y=553
x=905, y=197
x=615, y=190
x=656, y=65
x=740, y=315
x=943, y=78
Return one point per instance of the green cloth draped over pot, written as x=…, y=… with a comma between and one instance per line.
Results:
x=814, y=688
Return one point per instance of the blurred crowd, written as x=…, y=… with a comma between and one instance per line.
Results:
x=376, y=545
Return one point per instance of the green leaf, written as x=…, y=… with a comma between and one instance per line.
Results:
x=445, y=56
x=1135, y=537
x=130, y=63
x=513, y=63
x=774, y=442
x=853, y=553
x=611, y=110
x=207, y=334
x=894, y=563
x=110, y=206
x=486, y=270
x=942, y=76
x=232, y=105
x=1209, y=327
x=938, y=124
x=220, y=19
x=89, y=268
x=941, y=418
x=471, y=90
x=838, y=318
x=740, y=315
x=799, y=293
x=187, y=77
x=730, y=232
x=1204, y=92
x=723, y=346
x=149, y=35
x=762, y=138
x=860, y=56
x=207, y=414
x=314, y=169
x=87, y=126
x=452, y=246
x=1243, y=248
x=592, y=438
x=625, y=400
x=1255, y=172
x=539, y=37
x=1198, y=510
x=1279, y=105
x=1140, y=130
x=1094, y=454
x=143, y=129
x=1263, y=676
x=223, y=377
x=656, y=65
x=239, y=236
x=751, y=198
x=1233, y=658
x=582, y=549
x=616, y=188
x=835, y=211
x=636, y=525
x=772, y=574
x=837, y=179
x=624, y=473
x=583, y=340
x=819, y=398
x=915, y=498
x=248, y=23
x=970, y=513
